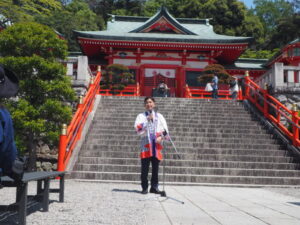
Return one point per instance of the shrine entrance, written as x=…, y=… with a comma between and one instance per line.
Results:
x=152, y=77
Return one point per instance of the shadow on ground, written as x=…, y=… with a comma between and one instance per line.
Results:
x=125, y=190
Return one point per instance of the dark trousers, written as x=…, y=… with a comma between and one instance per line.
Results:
x=234, y=95
x=145, y=169
x=215, y=93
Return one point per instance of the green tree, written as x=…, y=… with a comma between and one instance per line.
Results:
x=271, y=11
x=40, y=107
x=287, y=30
x=214, y=69
x=116, y=77
x=259, y=54
x=20, y=11
x=74, y=16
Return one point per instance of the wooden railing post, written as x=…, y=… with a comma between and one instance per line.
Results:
x=247, y=83
x=265, y=95
x=295, y=125
x=62, y=148
x=80, y=102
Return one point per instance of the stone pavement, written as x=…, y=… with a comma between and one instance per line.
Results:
x=89, y=203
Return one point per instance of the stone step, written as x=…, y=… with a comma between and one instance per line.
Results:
x=190, y=178
x=188, y=133
x=169, y=147
x=130, y=149
x=174, y=110
x=189, y=170
x=194, y=163
x=132, y=110
x=215, y=143
x=193, y=156
x=238, y=138
x=130, y=124
x=204, y=132
x=218, y=141
x=183, y=120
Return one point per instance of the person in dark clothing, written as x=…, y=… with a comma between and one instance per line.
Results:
x=9, y=163
x=214, y=85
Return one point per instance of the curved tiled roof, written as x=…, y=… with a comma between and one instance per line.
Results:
x=193, y=30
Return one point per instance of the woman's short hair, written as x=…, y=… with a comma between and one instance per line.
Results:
x=146, y=99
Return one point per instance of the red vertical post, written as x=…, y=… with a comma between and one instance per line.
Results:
x=295, y=124
x=79, y=109
x=62, y=149
x=91, y=88
x=247, y=83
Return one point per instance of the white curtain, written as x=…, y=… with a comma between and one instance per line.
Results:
x=169, y=73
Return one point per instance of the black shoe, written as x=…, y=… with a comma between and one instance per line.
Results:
x=145, y=191
x=155, y=190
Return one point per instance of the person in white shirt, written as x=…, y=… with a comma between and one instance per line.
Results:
x=153, y=129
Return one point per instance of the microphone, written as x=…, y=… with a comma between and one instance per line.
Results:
x=148, y=113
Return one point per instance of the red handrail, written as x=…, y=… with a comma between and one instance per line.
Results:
x=273, y=110
x=202, y=94
x=72, y=133
x=127, y=91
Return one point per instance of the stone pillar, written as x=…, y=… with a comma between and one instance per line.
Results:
x=290, y=76
x=278, y=75
x=70, y=70
x=82, y=69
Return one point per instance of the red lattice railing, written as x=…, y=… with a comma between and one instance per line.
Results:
x=71, y=134
x=285, y=119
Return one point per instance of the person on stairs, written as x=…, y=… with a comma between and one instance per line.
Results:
x=10, y=164
x=153, y=129
x=214, y=85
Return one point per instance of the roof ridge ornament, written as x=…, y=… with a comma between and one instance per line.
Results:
x=163, y=21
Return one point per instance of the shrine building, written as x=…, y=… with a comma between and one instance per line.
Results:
x=163, y=48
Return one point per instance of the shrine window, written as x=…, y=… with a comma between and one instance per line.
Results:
x=191, y=78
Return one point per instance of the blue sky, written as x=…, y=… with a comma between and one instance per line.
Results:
x=248, y=3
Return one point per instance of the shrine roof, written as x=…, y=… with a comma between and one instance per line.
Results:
x=248, y=63
x=145, y=29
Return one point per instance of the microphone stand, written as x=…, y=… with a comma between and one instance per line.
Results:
x=163, y=192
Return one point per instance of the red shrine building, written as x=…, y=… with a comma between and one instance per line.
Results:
x=168, y=49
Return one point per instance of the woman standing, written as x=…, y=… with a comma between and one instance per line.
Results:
x=153, y=129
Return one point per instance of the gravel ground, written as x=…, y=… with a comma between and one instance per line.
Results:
x=85, y=203
x=88, y=203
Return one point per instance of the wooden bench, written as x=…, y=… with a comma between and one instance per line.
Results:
x=41, y=196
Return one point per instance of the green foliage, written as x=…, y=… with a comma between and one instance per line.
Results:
x=116, y=77
x=40, y=107
x=74, y=16
x=25, y=10
x=259, y=54
x=288, y=29
x=29, y=38
x=214, y=69
x=271, y=11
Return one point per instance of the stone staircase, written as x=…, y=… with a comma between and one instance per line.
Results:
x=219, y=143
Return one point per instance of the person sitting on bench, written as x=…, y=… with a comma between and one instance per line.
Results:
x=10, y=165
